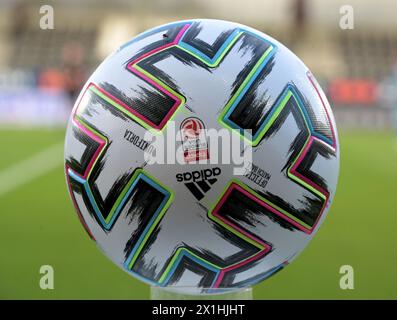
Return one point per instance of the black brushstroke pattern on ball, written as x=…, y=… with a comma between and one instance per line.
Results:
x=97, y=101
x=145, y=268
x=80, y=165
x=312, y=206
x=249, y=114
x=187, y=59
x=170, y=35
x=308, y=214
x=78, y=188
x=312, y=209
x=318, y=126
x=317, y=149
x=186, y=264
x=144, y=201
x=246, y=250
x=93, y=103
x=91, y=109
x=291, y=108
x=248, y=44
x=243, y=210
x=209, y=50
x=153, y=104
x=105, y=204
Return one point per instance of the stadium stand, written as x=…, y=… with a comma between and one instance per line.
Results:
x=349, y=64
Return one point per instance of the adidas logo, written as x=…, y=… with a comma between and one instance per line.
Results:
x=199, y=182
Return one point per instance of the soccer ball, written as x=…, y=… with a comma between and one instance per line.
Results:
x=195, y=223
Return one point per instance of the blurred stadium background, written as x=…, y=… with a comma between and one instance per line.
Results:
x=42, y=70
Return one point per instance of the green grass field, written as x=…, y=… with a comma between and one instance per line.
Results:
x=39, y=227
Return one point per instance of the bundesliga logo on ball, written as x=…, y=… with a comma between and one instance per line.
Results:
x=213, y=96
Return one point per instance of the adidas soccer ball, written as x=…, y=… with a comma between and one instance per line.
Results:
x=193, y=222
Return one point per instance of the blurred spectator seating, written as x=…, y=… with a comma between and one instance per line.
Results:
x=36, y=48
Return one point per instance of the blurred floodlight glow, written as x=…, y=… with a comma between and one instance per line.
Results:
x=115, y=31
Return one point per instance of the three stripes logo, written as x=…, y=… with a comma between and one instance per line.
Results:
x=199, y=182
